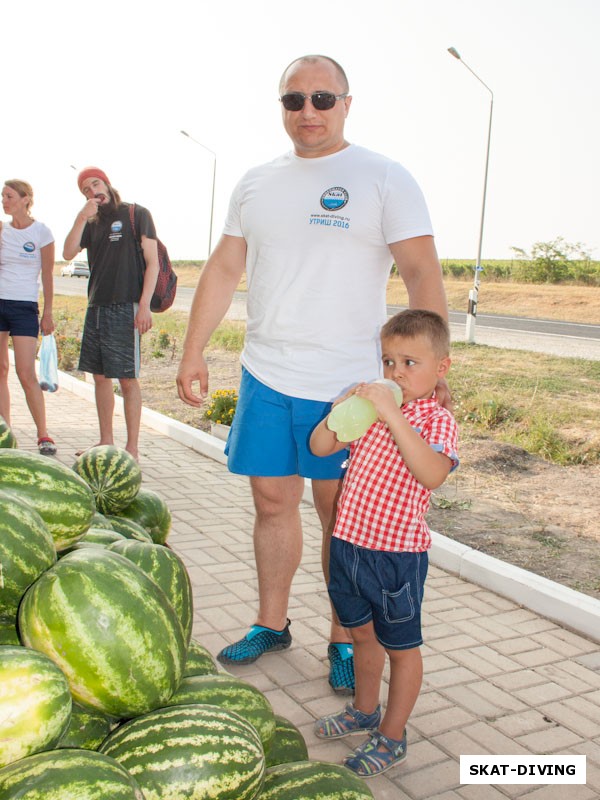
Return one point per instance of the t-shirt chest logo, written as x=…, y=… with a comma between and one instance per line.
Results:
x=29, y=247
x=115, y=230
x=334, y=198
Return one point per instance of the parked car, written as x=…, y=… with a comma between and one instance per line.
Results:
x=75, y=269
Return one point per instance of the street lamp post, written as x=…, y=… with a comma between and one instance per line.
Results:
x=212, y=201
x=474, y=292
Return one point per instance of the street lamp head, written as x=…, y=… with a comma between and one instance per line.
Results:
x=454, y=52
x=185, y=133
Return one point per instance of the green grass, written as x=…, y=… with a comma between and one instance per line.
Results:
x=229, y=336
x=544, y=404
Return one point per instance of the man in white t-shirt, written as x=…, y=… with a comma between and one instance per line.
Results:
x=317, y=231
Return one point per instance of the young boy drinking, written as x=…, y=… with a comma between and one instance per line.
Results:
x=378, y=559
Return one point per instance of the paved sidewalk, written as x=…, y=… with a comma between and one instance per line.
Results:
x=499, y=679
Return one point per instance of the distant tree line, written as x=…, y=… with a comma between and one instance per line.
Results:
x=556, y=261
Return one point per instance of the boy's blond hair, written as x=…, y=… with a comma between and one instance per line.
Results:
x=415, y=322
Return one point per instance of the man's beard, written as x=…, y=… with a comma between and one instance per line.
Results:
x=107, y=209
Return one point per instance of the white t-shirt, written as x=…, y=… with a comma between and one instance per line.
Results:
x=21, y=260
x=318, y=261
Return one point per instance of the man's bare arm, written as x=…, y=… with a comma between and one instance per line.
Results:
x=218, y=282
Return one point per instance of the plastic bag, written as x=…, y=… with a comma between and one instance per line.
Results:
x=48, y=364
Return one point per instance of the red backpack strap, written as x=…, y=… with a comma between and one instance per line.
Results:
x=132, y=219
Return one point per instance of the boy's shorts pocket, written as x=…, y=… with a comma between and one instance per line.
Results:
x=398, y=606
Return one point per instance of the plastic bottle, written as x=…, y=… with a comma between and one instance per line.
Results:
x=350, y=419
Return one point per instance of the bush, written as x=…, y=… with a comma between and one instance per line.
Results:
x=495, y=270
x=68, y=352
x=229, y=336
x=556, y=261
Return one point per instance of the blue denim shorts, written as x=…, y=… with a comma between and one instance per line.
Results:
x=270, y=435
x=377, y=585
x=19, y=318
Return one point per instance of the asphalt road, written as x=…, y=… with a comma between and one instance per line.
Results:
x=538, y=335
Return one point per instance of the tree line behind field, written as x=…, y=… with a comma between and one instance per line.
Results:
x=556, y=261
x=551, y=262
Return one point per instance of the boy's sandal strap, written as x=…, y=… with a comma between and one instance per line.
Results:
x=348, y=721
x=376, y=755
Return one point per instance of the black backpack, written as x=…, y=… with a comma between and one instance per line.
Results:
x=166, y=284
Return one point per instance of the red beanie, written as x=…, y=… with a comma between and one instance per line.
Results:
x=91, y=172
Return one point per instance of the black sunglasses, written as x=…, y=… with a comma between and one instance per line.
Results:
x=322, y=101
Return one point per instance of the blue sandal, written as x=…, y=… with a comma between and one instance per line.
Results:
x=346, y=722
x=341, y=668
x=376, y=755
x=255, y=643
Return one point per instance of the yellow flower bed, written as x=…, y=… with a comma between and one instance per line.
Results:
x=222, y=406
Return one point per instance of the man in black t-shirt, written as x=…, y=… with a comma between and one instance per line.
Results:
x=123, y=274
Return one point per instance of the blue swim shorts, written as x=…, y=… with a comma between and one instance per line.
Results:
x=19, y=318
x=377, y=585
x=270, y=434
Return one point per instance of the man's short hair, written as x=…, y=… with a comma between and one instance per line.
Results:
x=413, y=322
x=314, y=59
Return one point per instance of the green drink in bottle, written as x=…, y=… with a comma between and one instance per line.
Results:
x=350, y=419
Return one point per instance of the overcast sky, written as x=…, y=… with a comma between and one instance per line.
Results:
x=113, y=83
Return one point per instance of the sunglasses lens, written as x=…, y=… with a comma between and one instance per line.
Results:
x=293, y=102
x=323, y=101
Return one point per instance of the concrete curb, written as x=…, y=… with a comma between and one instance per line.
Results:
x=574, y=610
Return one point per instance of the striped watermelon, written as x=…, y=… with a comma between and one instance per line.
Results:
x=100, y=536
x=313, y=780
x=231, y=693
x=68, y=775
x=128, y=528
x=94, y=537
x=199, y=661
x=195, y=751
x=8, y=632
x=113, y=475
x=87, y=728
x=100, y=521
x=109, y=628
x=151, y=512
x=7, y=437
x=26, y=550
x=62, y=499
x=35, y=704
x=168, y=571
x=288, y=744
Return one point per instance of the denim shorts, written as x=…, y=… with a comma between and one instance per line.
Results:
x=110, y=345
x=270, y=434
x=377, y=585
x=19, y=317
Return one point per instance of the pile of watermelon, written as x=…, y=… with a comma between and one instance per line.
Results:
x=103, y=690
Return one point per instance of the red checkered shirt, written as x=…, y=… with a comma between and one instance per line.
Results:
x=382, y=505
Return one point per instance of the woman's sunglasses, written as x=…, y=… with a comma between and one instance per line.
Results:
x=322, y=101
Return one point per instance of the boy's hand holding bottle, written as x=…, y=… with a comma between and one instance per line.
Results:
x=354, y=414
